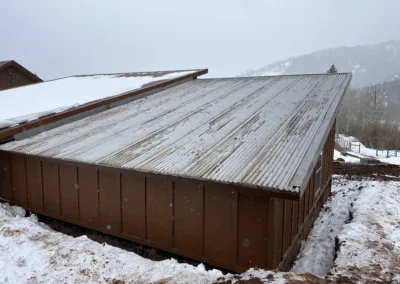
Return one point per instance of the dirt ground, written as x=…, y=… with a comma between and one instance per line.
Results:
x=383, y=172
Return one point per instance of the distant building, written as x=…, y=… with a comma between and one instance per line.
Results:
x=13, y=75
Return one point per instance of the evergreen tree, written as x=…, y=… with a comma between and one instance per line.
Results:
x=332, y=70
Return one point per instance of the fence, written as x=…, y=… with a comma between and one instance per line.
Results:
x=356, y=147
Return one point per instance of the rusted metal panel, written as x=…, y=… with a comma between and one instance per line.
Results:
x=287, y=225
x=88, y=195
x=306, y=199
x=252, y=230
x=159, y=208
x=69, y=191
x=51, y=188
x=188, y=216
x=5, y=177
x=217, y=222
x=279, y=214
x=110, y=200
x=133, y=201
x=34, y=183
x=18, y=177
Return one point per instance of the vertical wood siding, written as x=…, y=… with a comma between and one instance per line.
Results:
x=209, y=222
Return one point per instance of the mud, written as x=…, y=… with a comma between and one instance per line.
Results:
x=381, y=172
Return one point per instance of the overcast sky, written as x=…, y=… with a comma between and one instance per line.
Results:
x=55, y=39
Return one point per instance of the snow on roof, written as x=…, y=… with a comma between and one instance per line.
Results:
x=249, y=131
x=31, y=102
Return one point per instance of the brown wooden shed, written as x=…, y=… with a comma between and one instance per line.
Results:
x=231, y=171
x=13, y=75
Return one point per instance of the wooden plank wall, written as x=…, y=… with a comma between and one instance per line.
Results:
x=209, y=222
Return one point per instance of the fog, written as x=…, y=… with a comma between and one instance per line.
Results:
x=55, y=39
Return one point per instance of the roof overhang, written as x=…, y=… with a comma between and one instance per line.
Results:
x=305, y=169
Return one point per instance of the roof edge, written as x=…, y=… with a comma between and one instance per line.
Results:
x=6, y=133
x=243, y=187
x=289, y=75
x=22, y=69
x=306, y=165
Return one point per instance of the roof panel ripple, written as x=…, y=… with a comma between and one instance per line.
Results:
x=248, y=131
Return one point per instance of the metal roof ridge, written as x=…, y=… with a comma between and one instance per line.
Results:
x=281, y=75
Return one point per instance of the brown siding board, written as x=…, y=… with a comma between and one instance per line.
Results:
x=34, y=184
x=280, y=209
x=188, y=207
x=51, y=191
x=69, y=191
x=306, y=199
x=301, y=211
x=217, y=222
x=295, y=219
x=88, y=196
x=219, y=238
x=233, y=259
x=271, y=228
x=109, y=201
x=18, y=177
x=5, y=177
x=252, y=230
x=158, y=211
x=133, y=198
x=287, y=225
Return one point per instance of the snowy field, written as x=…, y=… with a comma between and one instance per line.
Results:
x=360, y=150
x=361, y=218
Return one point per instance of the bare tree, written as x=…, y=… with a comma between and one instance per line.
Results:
x=374, y=102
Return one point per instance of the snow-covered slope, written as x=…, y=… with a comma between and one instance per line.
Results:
x=369, y=63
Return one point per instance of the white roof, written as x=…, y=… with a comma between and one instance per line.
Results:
x=254, y=132
x=30, y=102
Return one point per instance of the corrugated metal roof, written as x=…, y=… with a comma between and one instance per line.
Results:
x=31, y=102
x=248, y=131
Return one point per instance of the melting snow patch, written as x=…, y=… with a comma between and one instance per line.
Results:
x=370, y=244
x=318, y=253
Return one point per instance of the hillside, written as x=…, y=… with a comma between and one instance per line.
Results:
x=369, y=63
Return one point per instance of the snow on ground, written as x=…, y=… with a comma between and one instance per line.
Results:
x=363, y=151
x=370, y=243
x=318, y=253
x=33, y=253
x=33, y=101
x=363, y=214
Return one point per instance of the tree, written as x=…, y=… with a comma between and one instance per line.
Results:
x=332, y=70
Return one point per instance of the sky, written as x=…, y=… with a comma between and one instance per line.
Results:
x=60, y=38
